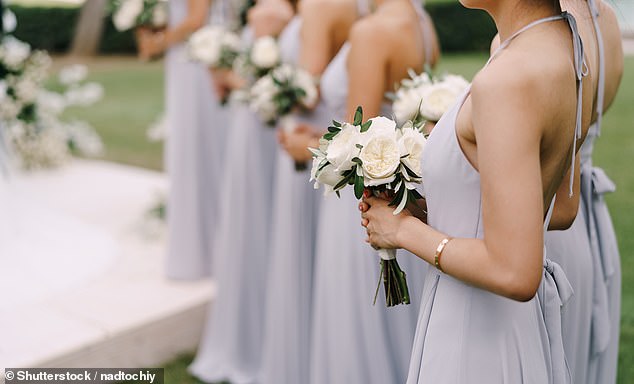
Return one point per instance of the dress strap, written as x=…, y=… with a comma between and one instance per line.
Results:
x=535, y=23
x=594, y=11
x=581, y=70
x=549, y=213
x=425, y=27
x=363, y=8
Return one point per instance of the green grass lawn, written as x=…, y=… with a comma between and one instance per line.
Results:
x=134, y=98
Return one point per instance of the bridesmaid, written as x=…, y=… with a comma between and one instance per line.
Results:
x=491, y=308
x=309, y=41
x=196, y=138
x=354, y=341
x=588, y=250
x=231, y=347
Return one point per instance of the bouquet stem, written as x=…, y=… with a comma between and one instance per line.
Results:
x=394, y=280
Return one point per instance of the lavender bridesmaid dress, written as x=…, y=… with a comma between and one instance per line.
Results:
x=231, y=346
x=194, y=149
x=466, y=334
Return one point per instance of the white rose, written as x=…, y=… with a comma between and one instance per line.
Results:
x=381, y=158
x=231, y=41
x=14, y=52
x=305, y=81
x=126, y=16
x=437, y=100
x=73, y=74
x=204, y=45
x=381, y=125
x=9, y=21
x=26, y=91
x=265, y=52
x=3, y=89
x=342, y=148
x=406, y=105
x=51, y=102
x=456, y=82
x=411, y=145
x=159, y=15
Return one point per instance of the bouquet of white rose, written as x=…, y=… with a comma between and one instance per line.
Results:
x=426, y=97
x=128, y=14
x=259, y=59
x=374, y=155
x=31, y=115
x=214, y=46
x=275, y=95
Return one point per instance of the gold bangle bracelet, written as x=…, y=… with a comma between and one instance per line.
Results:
x=439, y=249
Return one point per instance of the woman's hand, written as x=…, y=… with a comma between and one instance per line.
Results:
x=381, y=224
x=224, y=81
x=151, y=44
x=296, y=143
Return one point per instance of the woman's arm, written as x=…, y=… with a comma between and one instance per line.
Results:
x=508, y=260
x=268, y=18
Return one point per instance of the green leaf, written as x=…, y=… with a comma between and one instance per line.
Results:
x=357, y=160
x=336, y=124
x=330, y=135
x=358, y=116
x=365, y=126
x=334, y=129
x=358, y=187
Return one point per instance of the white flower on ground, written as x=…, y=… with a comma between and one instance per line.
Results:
x=73, y=74
x=343, y=147
x=265, y=52
x=9, y=21
x=126, y=16
x=411, y=145
x=85, y=95
x=50, y=102
x=381, y=159
x=26, y=90
x=14, y=52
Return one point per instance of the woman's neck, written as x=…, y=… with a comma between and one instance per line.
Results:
x=511, y=16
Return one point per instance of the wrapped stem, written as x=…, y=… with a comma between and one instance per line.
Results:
x=394, y=279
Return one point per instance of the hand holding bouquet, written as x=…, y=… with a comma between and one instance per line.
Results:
x=286, y=88
x=260, y=59
x=214, y=46
x=374, y=155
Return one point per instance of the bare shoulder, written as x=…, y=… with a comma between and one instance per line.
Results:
x=371, y=31
x=523, y=78
x=330, y=11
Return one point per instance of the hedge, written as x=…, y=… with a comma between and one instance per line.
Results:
x=52, y=28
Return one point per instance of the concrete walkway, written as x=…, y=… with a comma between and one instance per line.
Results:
x=120, y=311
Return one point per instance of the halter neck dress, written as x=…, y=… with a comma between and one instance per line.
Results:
x=591, y=322
x=286, y=344
x=354, y=341
x=196, y=126
x=466, y=334
x=231, y=345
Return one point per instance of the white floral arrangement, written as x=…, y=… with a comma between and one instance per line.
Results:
x=262, y=57
x=379, y=156
x=283, y=90
x=129, y=14
x=426, y=97
x=214, y=46
x=31, y=115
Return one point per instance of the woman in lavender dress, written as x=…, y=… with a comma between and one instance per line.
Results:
x=196, y=125
x=352, y=340
x=231, y=346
